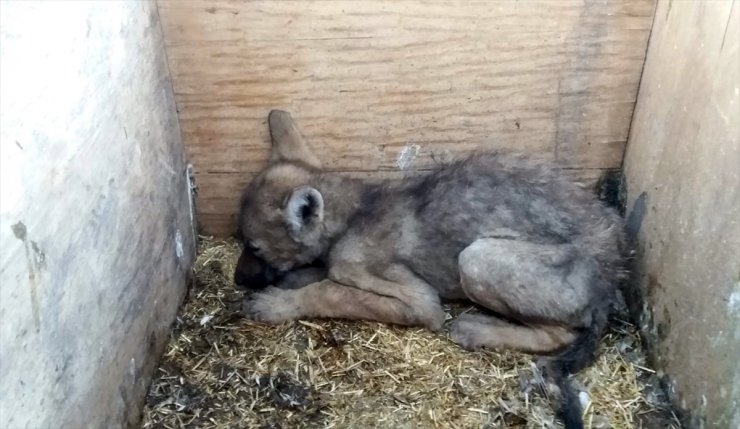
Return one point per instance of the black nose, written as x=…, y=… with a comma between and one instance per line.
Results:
x=240, y=279
x=265, y=277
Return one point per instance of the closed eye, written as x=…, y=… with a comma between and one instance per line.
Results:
x=252, y=246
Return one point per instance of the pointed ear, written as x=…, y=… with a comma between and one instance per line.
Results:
x=304, y=209
x=287, y=142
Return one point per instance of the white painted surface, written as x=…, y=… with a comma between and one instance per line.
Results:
x=92, y=192
x=683, y=171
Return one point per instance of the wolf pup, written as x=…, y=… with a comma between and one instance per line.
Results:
x=511, y=235
x=253, y=273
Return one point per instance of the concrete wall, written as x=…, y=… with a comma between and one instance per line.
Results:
x=683, y=182
x=95, y=229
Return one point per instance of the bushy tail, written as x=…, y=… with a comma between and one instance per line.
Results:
x=576, y=356
x=570, y=411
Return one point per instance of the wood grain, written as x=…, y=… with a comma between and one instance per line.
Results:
x=95, y=224
x=365, y=79
x=683, y=176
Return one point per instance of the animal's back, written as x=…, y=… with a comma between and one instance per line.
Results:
x=502, y=195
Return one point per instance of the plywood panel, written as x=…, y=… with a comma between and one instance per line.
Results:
x=95, y=231
x=212, y=216
x=366, y=79
x=683, y=171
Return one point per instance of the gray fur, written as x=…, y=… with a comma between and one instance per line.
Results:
x=510, y=234
x=425, y=223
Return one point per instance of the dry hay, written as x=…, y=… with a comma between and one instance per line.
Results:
x=221, y=370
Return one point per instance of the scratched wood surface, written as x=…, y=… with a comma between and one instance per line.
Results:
x=96, y=240
x=370, y=81
x=683, y=170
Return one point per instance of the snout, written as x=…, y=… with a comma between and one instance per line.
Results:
x=252, y=273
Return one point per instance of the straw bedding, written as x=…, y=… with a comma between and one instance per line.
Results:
x=221, y=370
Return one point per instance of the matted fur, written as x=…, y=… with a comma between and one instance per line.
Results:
x=510, y=234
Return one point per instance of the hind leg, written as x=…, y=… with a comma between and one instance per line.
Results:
x=544, y=287
x=474, y=331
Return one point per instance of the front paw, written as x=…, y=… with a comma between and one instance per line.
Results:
x=272, y=305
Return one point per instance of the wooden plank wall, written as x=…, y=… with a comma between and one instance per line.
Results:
x=683, y=180
x=368, y=80
x=96, y=235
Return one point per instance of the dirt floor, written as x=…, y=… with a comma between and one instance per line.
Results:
x=221, y=370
